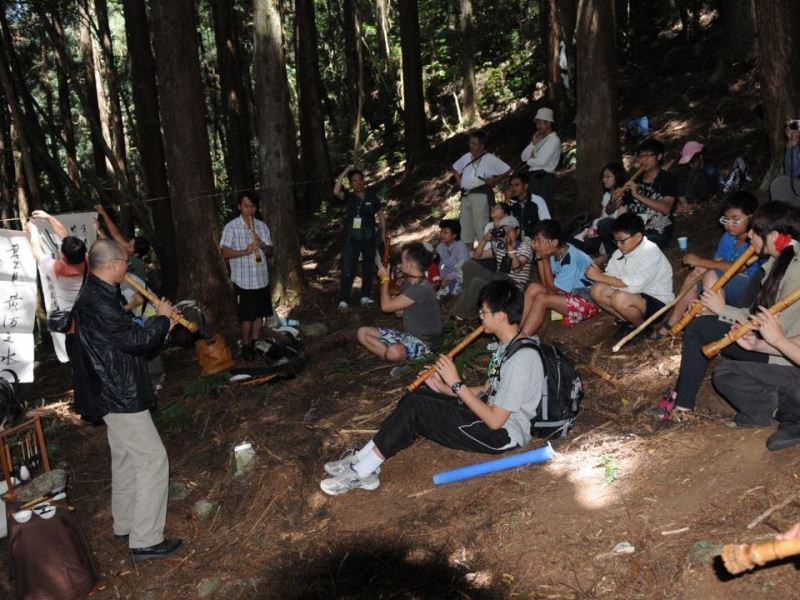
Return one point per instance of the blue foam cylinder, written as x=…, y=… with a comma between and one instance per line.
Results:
x=531, y=457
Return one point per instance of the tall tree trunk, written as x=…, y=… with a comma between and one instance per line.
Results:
x=738, y=37
x=597, y=119
x=350, y=58
x=238, y=157
x=187, y=152
x=382, y=21
x=471, y=111
x=115, y=125
x=276, y=146
x=316, y=160
x=24, y=207
x=7, y=176
x=556, y=95
x=413, y=96
x=90, y=85
x=148, y=137
x=21, y=143
x=64, y=103
x=778, y=73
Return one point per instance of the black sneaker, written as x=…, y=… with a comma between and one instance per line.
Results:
x=165, y=548
x=782, y=439
x=248, y=352
x=121, y=538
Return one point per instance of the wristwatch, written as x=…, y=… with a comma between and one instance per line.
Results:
x=456, y=386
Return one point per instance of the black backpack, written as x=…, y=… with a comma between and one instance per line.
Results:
x=561, y=400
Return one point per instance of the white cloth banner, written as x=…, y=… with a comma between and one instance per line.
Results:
x=17, y=304
x=81, y=225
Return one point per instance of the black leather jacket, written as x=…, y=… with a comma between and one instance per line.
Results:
x=113, y=350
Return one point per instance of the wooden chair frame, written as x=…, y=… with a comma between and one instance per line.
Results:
x=5, y=450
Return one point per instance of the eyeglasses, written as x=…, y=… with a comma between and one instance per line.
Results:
x=481, y=313
x=623, y=240
x=734, y=222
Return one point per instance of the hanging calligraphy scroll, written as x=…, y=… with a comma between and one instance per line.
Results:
x=17, y=304
x=81, y=225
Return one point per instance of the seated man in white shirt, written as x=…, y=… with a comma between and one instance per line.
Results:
x=543, y=154
x=638, y=278
x=476, y=173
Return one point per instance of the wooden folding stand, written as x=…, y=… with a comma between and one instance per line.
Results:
x=28, y=438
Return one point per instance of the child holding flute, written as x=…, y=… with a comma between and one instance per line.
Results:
x=736, y=214
x=491, y=418
x=774, y=233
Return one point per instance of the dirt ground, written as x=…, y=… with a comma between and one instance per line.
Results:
x=544, y=531
x=537, y=532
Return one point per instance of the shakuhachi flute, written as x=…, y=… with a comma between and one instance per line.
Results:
x=251, y=225
x=458, y=348
x=711, y=349
x=154, y=300
x=738, y=558
x=656, y=315
x=698, y=306
x=617, y=194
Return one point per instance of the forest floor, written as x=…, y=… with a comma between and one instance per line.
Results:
x=545, y=531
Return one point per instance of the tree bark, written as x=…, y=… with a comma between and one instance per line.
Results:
x=382, y=22
x=413, y=96
x=238, y=156
x=115, y=127
x=203, y=275
x=471, y=110
x=778, y=73
x=90, y=85
x=148, y=138
x=24, y=207
x=276, y=147
x=64, y=103
x=351, y=58
x=7, y=176
x=738, y=37
x=597, y=119
x=316, y=161
x=31, y=184
x=556, y=94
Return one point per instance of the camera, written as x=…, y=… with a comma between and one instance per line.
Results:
x=498, y=233
x=793, y=124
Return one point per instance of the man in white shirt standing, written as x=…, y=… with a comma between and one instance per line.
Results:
x=638, y=278
x=476, y=173
x=542, y=155
x=246, y=244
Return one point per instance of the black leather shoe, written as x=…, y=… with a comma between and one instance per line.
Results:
x=121, y=538
x=165, y=548
x=782, y=439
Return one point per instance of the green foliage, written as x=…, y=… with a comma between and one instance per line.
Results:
x=175, y=416
x=206, y=386
x=611, y=468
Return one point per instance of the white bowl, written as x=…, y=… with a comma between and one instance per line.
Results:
x=47, y=513
x=22, y=516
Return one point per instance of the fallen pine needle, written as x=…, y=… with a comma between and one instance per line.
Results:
x=771, y=510
x=348, y=431
x=422, y=493
x=675, y=531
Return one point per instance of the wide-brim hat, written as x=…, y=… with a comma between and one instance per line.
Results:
x=544, y=114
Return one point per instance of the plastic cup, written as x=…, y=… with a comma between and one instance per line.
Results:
x=683, y=244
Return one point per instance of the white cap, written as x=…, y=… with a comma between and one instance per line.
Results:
x=544, y=114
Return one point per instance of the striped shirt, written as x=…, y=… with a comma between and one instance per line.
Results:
x=245, y=271
x=524, y=252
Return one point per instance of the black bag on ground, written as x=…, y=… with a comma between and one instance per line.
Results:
x=563, y=392
x=10, y=407
x=577, y=225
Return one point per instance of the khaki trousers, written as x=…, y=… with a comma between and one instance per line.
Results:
x=474, y=217
x=139, y=478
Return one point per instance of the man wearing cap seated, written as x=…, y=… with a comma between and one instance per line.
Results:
x=542, y=155
x=513, y=259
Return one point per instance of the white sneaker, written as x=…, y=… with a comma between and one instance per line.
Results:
x=366, y=301
x=349, y=480
x=442, y=294
x=337, y=467
x=343, y=305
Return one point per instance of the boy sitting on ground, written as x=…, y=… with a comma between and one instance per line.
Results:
x=564, y=286
x=638, y=278
x=453, y=253
x=491, y=418
x=416, y=305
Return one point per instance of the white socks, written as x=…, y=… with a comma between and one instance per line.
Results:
x=365, y=451
x=368, y=464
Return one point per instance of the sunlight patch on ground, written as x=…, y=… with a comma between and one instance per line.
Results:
x=597, y=469
x=415, y=235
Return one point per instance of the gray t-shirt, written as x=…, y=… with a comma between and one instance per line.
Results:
x=519, y=391
x=421, y=318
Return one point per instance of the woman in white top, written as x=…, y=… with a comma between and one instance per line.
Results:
x=542, y=155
